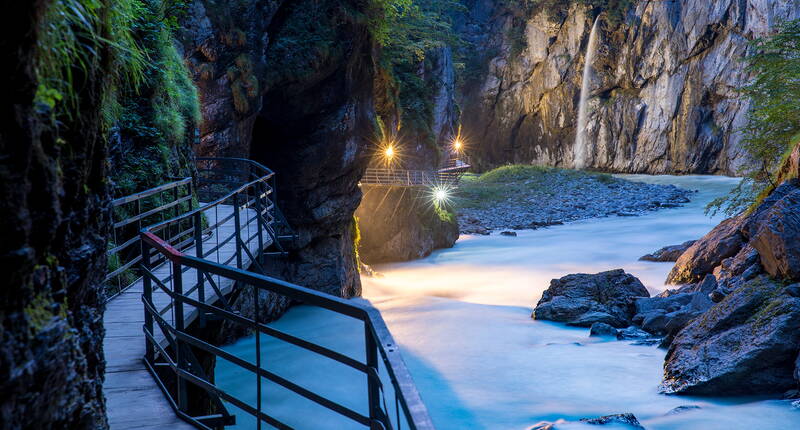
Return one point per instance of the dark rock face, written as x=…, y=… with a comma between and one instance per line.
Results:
x=748, y=343
x=313, y=130
x=583, y=300
x=668, y=253
x=52, y=252
x=724, y=241
x=401, y=224
x=663, y=97
x=670, y=311
x=625, y=419
x=224, y=45
x=298, y=99
x=777, y=237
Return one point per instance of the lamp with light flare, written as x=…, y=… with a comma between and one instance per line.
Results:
x=440, y=195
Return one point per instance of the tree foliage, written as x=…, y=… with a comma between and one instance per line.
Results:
x=773, y=122
x=407, y=31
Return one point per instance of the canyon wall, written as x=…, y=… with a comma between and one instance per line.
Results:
x=297, y=98
x=53, y=225
x=663, y=98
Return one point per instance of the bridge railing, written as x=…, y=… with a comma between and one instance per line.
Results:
x=171, y=349
x=410, y=178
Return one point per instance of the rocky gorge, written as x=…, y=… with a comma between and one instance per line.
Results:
x=733, y=326
x=664, y=93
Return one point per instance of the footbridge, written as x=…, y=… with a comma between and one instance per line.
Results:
x=446, y=176
x=182, y=255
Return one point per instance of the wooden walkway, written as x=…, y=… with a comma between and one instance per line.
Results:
x=134, y=400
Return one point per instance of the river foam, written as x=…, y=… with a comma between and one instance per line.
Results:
x=462, y=319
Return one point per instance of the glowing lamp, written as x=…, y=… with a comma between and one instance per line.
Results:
x=440, y=195
x=389, y=152
x=457, y=145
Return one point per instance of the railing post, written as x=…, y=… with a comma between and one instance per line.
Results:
x=147, y=296
x=198, y=247
x=177, y=307
x=237, y=230
x=373, y=391
x=260, y=189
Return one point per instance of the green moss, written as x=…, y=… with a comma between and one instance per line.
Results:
x=157, y=121
x=39, y=313
x=356, y=233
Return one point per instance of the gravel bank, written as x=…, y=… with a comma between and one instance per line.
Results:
x=529, y=197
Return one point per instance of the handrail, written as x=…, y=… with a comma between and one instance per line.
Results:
x=126, y=255
x=184, y=288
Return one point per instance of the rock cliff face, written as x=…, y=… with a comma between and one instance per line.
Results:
x=53, y=227
x=400, y=224
x=663, y=97
x=297, y=98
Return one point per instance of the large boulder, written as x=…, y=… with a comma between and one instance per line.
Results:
x=746, y=344
x=668, y=253
x=582, y=299
x=724, y=241
x=777, y=237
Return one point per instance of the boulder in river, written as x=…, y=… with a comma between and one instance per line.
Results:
x=668, y=253
x=670, y=311
x=626, y=419
x=700, y=259
x=746, y=344
x=583, y=299
x=776, y=237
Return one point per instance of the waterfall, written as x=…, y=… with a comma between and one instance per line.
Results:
x=580, y=149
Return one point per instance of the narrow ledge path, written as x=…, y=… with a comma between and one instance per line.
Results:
x=133, y=398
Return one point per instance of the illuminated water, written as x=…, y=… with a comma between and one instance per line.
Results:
x=462, y=318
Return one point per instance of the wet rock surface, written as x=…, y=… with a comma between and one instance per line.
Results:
x=583, y=300
x=668, y=253
x=557, y=196
x=746, y=344
x=625, y=419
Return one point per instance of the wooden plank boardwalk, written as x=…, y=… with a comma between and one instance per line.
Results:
x=134, y=400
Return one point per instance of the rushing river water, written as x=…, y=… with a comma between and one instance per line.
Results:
x=462, y=319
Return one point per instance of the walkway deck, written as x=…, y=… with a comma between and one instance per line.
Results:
x=134, y=400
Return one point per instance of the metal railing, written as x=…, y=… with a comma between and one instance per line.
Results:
x=128, y=215
x=448, y=174
x=199, y=282
x=409, y=178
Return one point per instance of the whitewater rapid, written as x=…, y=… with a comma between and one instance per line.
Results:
x=462, y=320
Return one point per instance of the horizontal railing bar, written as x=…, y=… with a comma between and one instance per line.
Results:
x=146, y=193
x=152, y=211
x=297, y=292
x=321, y=350
x=264, y=373
x=128, y=243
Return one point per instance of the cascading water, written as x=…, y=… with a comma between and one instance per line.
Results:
x=580, y=149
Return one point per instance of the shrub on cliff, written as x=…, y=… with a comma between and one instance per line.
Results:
x=773, y=126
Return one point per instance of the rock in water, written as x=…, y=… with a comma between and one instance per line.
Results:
x=724, y=241
x=746, y=344
x=508, y=233
x=602, y=329
x=583, y=299
x=627, y=419
x=669, y=312
x=668, y=253
x=777, y=237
